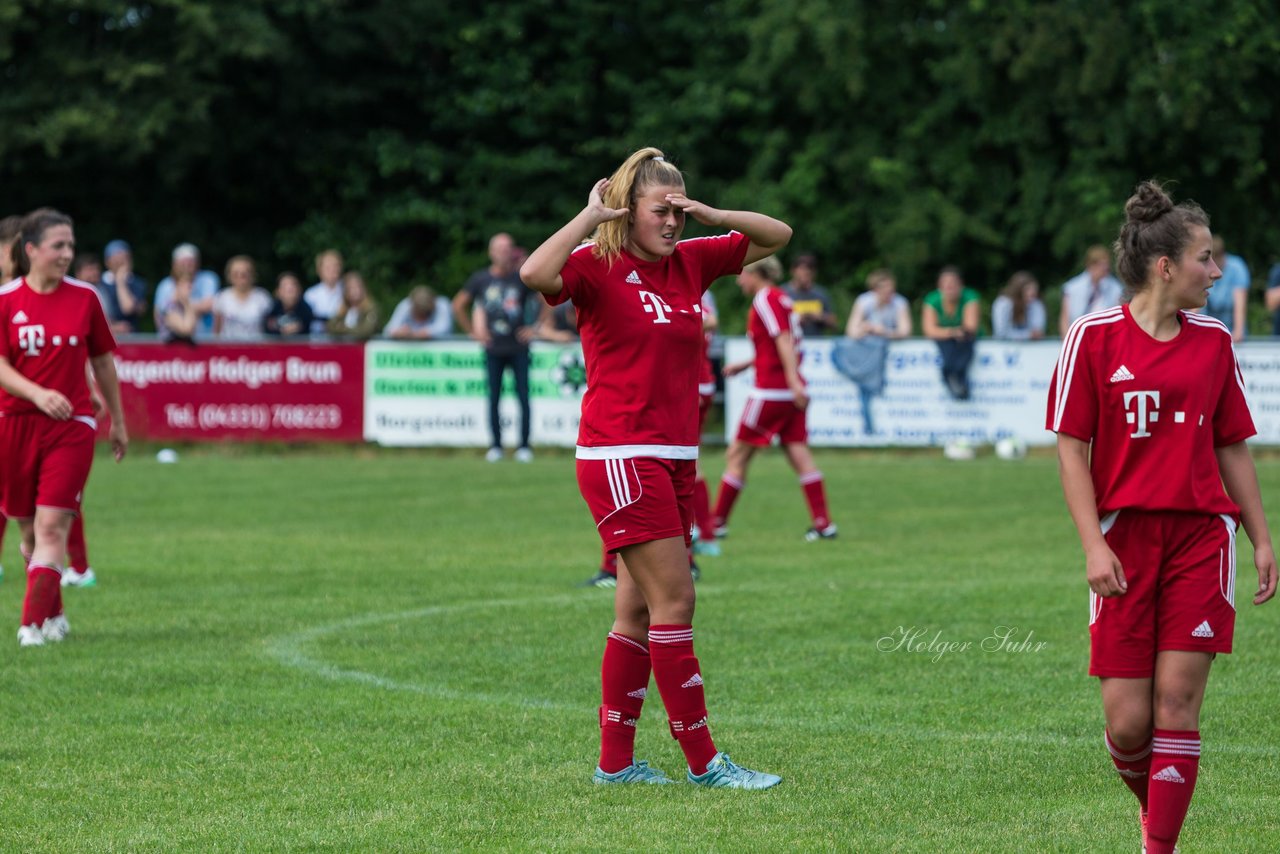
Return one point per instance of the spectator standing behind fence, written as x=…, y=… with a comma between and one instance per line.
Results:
x=358, y=318
x=1229, y=296
x=504, y=317
x=810, y=301
x=290, y=316
x=123, y=292
x=1018, y=314
x=240, y=308
x=1094, y=289
x=880, y=315
x=951, y=316
x=200, y=287
x=325, y=296
x=420, y=316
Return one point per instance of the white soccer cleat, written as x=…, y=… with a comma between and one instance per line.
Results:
x=56, y=628
x=71, y=578
x=493, y=455
x=30, y=636
x=524, y=455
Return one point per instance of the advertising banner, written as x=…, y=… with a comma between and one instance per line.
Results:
x=436, y=394
x=250, y=392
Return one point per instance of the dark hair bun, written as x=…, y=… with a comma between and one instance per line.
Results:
x=1148, y=203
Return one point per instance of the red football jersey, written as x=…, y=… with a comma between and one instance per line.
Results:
x=771, y=316
x=48, y=338
x=641, y=328
x=1153, y=410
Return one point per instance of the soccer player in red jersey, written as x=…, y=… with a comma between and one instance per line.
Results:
x=704, y=524
x=9, y=227
x=638, y=289
x=50, y=326
x=776, y=406
x=1149, y=407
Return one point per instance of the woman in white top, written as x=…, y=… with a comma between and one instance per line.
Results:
x=1018, y=314
x=240, y=308
x=879, y=315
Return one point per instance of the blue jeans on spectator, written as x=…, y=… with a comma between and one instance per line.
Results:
x=497, y=363
x=957, y=355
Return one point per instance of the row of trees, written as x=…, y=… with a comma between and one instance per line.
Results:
x=996, y=136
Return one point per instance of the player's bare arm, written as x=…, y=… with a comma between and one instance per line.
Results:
x=47, y=400
x=767, y=235
x=1102, y=567
x=104, y=368
x=541, y=270
x=1240, y=477
x=791, y=368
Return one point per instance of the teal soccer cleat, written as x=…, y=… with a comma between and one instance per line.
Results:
x=636, y=772
x=723, y=774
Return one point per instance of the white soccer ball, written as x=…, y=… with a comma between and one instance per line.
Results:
x=958, y=449
x=166, y=455
x=1011, y=449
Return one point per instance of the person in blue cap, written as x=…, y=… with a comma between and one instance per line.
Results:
x=124, y=292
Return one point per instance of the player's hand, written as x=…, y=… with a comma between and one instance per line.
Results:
x=99, y=406
x=595, y=203
x=800, y=397
x=119, y=438
x=1264, y=558
x=53, y=404
x=1105, y=575
x=733, y=370
x=704, y=214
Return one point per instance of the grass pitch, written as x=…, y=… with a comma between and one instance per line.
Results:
x=385, y=651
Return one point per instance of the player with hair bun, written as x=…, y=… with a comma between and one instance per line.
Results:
x=51, y=327
x=1149, y=407
x=637, y=288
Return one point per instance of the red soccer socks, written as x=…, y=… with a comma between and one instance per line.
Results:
x=43, y=590
x=679, y=678
x=1175, y=761
x=816, y=497
x=1133, y=767
x=624, y=680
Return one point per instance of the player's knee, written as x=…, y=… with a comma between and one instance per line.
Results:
x=1177, y=707
x=1130, y=732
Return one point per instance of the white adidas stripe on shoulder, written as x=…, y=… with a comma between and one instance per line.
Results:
x=1070, y=349
x=708, y=237
x=79, y=283
x=760, y=304
x=11, y=285
x=1215, y=323
x=1205, y=320
x=581, y=246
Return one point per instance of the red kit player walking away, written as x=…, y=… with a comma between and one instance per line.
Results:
x=1149, y=407
x=50, y=327
x=776, y=406
x=637, y=289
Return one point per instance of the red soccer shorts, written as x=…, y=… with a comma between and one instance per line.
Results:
x=46, y=463
x=764, y=419
x=638, y=500
x=1181, y=569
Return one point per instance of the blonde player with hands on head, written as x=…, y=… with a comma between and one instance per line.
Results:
x=1149, y=407
x=637, y=288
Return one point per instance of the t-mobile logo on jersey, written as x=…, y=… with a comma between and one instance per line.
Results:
x=31, y=339
x=654, y=304
x=1148, y=411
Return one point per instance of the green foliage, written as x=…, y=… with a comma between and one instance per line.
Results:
x=996, y=136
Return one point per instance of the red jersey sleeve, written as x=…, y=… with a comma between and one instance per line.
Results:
x=1231, y=420
x=721, y=255
x=100, y=338
x=1073, y=396
x=576, y=275
x=774, y=311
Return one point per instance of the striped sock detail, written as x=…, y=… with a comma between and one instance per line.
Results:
x=811, y=477
x=1177, y=746
x=732, y=481
x=671, y=636
x=1142, y=753
x=629, y=642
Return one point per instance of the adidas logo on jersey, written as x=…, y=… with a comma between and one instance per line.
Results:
x=1122, y=374
x=694, y=681
x=1170, y=775
x=20, y=317
x=639, y=693
x=634, y=278
x=1202, y=631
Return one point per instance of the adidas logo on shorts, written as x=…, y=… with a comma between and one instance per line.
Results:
x=1170, y=775
x=1202, y=631
x=694, y=681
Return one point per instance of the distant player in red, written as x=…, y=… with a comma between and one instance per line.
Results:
x=1148, y=404
x=638, y=289
x=9, y=227
x=50, y=326
x=704, y=523
x=776, y=406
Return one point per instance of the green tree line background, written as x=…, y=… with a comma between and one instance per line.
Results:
x=992, y=135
